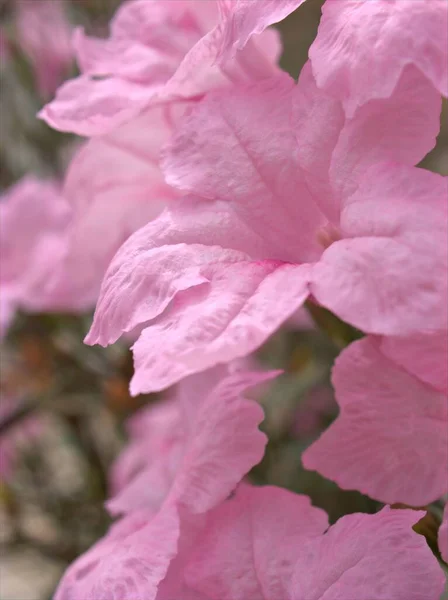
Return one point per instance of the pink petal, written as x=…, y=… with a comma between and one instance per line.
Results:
x=225, y=302
x=223, y=446
x=33, y=219
x=393, y=426
x=130, y=562
x=44, y=32
x=229, y=317
x=401, y=33
x=402, y=128
x=311, y=108
x=368, y=557
x=87, y=106
x=424, y=356
x=237, y=146
x=243, y=19
x=212, y=443
x=443, y=535
x=395, y=241
x=249, y=547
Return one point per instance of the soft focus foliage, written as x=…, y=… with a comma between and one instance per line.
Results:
x=271, y=252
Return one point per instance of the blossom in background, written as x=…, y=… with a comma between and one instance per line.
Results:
x=157, y=51
x=33, y=221
x=222, y=444
x=44, y=34
x=392, y=393
x=279, y=209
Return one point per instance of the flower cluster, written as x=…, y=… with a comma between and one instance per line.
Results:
x=216, y=195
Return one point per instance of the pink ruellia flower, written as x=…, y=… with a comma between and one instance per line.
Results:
x=443, y=535
x=222, y=443
x=286, y=199
x=157, y=51
x=363, y=47
x=393, y=424
x=33, y=221
x=44, y=34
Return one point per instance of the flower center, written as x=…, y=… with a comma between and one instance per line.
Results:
x=328, y=234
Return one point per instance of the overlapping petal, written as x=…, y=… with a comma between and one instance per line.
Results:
x=368, y=556
x=387, y=274
x=363, y=47
x=245, y=18
x=223, y=442
x=393, y=424
x=114, y=186
x=249, y=548
x=154, y=54
x=130, y=562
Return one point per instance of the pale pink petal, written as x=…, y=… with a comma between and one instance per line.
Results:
x=388, y=276
x=227, y=318
x=424, y=356
x=443, y=535
x=394, y=430
x=130, y=562
x=223, y=446
x=244, y=18
x=257, y=174
x=115, y=186
x=317, y=121
x=368, y=557
x=157, y=52
x=123, y=58
x=87, y=106
x=402, y=128
x=178, y=235
x=362, y=47
x=249, y=547
x=33, y=220
x=154, y=430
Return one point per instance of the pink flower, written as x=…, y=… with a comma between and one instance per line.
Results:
x=44, y=34
x=363, y=47
x=157, y=51
x=286, y=200
x=222, y=443
x=33, y=220
x=391, y=438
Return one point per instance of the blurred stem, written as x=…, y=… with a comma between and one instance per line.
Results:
x=342, y=334
x=16, y=416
